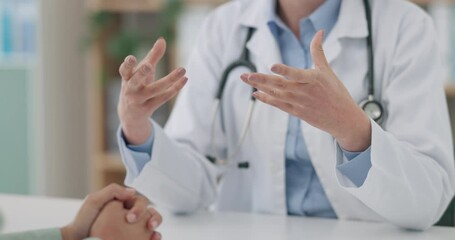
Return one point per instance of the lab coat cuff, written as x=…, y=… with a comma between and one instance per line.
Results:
x=143, y=148
x=351, y=155
x=134, y=157
x=357, y=168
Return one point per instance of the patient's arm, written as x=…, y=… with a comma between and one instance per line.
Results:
x=111, y=225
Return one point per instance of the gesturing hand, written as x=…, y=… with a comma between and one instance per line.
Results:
x=141, y=95
x=316, y=96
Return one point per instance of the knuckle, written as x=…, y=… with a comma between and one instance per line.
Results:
x=291, y=109
x=168, y=95
x=281, y=85
x=113, y=187
x=92, y=199
x=265, y=99
x=121, y=70
x=274, y=92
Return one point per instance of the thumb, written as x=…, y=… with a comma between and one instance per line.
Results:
x=317, y=52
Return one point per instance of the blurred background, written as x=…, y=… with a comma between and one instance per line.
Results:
x=60, y=84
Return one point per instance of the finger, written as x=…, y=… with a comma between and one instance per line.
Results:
x=139, y=79
x=157, y=52
x=259, y=80
x=139, y=208
x=317, y=51
x=276, y=102
x=163, y=84
x=99, y=199
x=156, y=236
x=127, y=67
x=299, y=75
x=270, y=90
x=155, y=220
x=153, y=57
x=167, y=95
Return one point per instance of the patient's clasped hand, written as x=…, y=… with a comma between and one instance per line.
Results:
x=114, y=213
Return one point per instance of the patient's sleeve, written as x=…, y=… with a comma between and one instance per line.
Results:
x=44, y=234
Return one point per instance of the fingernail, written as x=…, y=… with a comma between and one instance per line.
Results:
x=131, y=217
x=244, y=76
x=131, y=190
x=160, y=38
x=159, y=235
x=185, y=79
x=181, y=71
x=129, y=60
x=253, y=78
x=154, y=224
x=275, y=69
x=146, y=69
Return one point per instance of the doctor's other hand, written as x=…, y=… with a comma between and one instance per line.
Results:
x=90, y=209
x=141, y=94
x=316, y=96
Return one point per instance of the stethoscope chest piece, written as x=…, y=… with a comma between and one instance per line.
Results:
x=373, y=109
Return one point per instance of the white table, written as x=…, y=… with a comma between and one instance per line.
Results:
x=25, y=213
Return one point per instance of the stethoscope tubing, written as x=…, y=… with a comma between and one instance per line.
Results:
x=244, y=61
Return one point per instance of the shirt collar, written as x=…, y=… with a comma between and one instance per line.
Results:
x=326, y=15
x=323, y=17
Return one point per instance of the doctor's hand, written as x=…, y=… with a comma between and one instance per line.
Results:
x=141, y=94
x=316, y=96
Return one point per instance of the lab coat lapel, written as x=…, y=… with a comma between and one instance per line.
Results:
x=271, y=121
x=265, y=53
x=264, y=48
x=351, y=24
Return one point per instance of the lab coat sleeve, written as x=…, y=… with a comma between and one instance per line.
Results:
x=179, y=177
x=411, y=180
x=137, y=156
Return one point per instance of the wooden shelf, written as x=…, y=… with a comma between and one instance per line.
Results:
x=450, y=90
x=109, y=169
x=110, y=162
x=139, y=5
x=124, y=5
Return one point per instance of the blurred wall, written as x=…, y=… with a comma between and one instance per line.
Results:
x=61, y=125
x=14, y=130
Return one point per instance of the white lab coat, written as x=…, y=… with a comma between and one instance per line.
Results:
x=411, y=180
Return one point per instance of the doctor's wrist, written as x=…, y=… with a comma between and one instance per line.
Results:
x=357, y=136
x=137, y=133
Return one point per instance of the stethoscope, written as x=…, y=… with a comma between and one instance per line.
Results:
x=370, y=105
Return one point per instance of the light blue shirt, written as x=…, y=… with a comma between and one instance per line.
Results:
x=305, y=195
